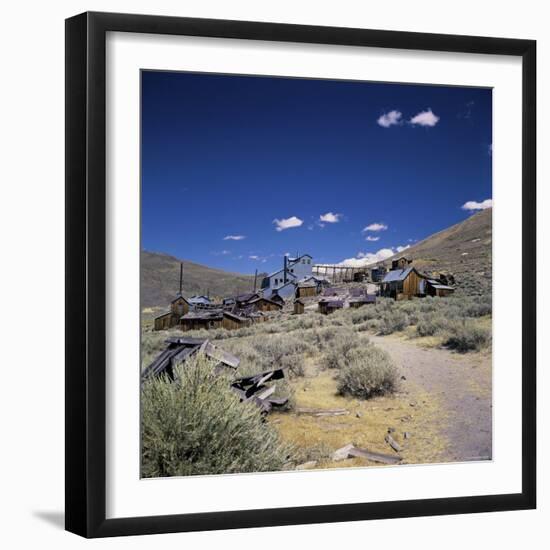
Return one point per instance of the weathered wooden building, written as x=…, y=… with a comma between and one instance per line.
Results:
x=299, y=307
x=330, y=306
x=436, y=288
x=400, y=263
x=264, y=304
x=362, y=300
x=307, y=288
x=212, y=320
x=403, y=284
x=275, y=297
x=243, y=299
x=178, y=307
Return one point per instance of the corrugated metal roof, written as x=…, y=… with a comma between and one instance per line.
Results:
x=397, y=275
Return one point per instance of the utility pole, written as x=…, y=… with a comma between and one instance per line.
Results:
x=181, y=279
x=255, y=280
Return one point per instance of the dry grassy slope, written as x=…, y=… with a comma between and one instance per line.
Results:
x=160, y=280
x=464, y=249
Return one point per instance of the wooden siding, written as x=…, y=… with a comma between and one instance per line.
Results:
x=166, y=321
x=298, y=308
x=179, y=307
x=305, y=291
x=232, y=324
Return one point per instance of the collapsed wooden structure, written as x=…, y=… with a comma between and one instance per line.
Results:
x=254, y=389
x=179, y=350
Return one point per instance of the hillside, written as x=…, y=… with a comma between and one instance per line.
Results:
x=160, y=280
x=464, y=249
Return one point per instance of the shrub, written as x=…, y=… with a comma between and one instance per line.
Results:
x=465, y=337
x=430, y=325
x=393, y=321
x=370, y=371
x=197, y=426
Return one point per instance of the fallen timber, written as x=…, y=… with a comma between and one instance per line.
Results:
x=351, y=451
x=181, y=349
x=251, y=389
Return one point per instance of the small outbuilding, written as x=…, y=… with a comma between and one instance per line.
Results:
x=435, y=288
x=264, y=304
x=362, y=300
x=299, y=307
x=330, y=306
x=400, y=263
x=179, y=306
x=305, y=289
x=202, y=320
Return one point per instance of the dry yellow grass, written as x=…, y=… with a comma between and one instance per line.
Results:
x=366, y=425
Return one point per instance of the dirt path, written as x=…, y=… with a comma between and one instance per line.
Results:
x=463, y=385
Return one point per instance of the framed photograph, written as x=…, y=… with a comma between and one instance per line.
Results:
x=300, y=274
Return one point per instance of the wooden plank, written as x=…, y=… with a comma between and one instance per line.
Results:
x=392, y=443
x=374, y=456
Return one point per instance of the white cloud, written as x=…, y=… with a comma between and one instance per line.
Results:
x=287, y=223
x=389, y=119
x=375, y=227
x=364, y=259
x=371, y=238
x=329, y=217
x=473, y=205
x=425, y=118
x=234, y=238
x=254, y=257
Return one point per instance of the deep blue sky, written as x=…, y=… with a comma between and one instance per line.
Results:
x=227, y=155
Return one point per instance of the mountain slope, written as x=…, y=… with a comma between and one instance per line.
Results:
x=160, y=280
x=464, y=249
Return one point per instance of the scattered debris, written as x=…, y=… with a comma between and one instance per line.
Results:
x=253, y=389
x=403, y=377
x=406, y=435
x=351, y=451
x=391, y=430
x=392, y=443
x=358, y=414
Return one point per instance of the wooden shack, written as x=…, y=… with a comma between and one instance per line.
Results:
x=165, y=321
x=244, y=299
x=403, y=284
x=178, y=307
x=436, y=288
x=306, y=289
x=231, y=321
x=400, y=263
x=299, y=307
x=330, y=306
x=264, y=304
x=204, y=320
x=360, y=276
x=364, y=300
x=275, y=297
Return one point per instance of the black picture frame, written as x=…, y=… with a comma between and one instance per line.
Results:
x=86, y=284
